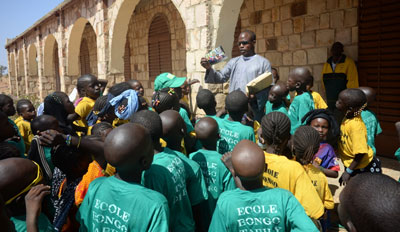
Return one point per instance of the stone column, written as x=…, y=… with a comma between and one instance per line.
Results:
x=40, y=53
x=25, y=58
x=62, y=47
x=102, y=29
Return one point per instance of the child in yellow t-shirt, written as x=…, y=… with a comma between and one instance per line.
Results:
x=353, y=148
x=90, y=87
x=27, y=113
x=282, y=172
x=305, y=145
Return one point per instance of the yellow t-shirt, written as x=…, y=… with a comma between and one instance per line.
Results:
x=353, y=141
x=319, y=102
x=83, y=109
x=320, y=183
x=290, y=175
x=24, y=128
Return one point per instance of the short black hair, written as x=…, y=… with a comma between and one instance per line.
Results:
x=372, y=201
x=236, y=103
x=205, y=99
x=83, y=81
x=275, y=128
x=8, y=150
x=251, y=33
x=305, y=144
x=119, y=88
x=41, y=123
x=4, y=99
x=151, y=121
x=165, y=99
x=21, y=104
x=98, y=128
x=355, y=97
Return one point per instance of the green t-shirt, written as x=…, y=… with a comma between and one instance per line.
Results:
x=217, y=178
x=112, y=204
x=186, y=119
x=301, y=105
x=281, y=108
x=260, y=210
x=44, y=225
x=373, y=127
x=196, y=186
x=167, y=176
x=20, y=144
x=47, y=154
x=233, y=132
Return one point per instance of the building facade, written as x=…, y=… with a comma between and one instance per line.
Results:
x=120, y=40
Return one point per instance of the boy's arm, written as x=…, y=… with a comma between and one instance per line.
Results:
x=33, y=203
x=346, y=176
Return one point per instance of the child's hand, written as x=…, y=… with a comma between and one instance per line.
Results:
x=51, y=138
x=344, y=178
x=33, y=202
x=227, y=160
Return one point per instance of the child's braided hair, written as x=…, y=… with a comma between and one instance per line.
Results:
x=305, y=144
x=275, y=129
x=165, y=99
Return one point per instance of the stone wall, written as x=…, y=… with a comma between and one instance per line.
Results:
x=300, y=33
x=138, y=34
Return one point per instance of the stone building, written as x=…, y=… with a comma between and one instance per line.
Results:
x=131, y=39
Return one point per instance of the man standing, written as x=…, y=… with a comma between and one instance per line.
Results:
x=241, y=70
x=339, y=73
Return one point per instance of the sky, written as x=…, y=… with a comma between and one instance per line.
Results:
x=18, y=15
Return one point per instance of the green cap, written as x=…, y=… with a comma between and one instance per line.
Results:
x=168, y=80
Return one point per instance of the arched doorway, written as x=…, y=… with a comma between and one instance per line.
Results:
x=51, y=68
x=159, y=45
x=88, y=51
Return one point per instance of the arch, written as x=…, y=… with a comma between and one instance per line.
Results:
x=226, y=26
x=32, y=60
x=88, y=51
x=48, y=59
x=159, y=47
x=21, y=66
x=74, y=45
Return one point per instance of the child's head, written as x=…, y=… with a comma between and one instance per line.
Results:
x=7, y=129
x=88, y=86
x=8, y=150
x=370, y=202
x=152, y=122
x=275, y=128
x=165, y=99
x=206, y=101
x=324, y=122
x=351, y=102
x=137, y=86
x=278, y=93
x=174, y=128
x=71, y=161
x=370, y=93
x=207, y=132
x=102, y=129
x=274, y=72
x=26, y=109
x=129, y=149
x=298, y=79
x=305, y=144
x=104, y=110
x=44, y=122
x=248, y=163
x=18, y=175
x=236, y=103
x=7, y=105
x=58, y=102
x=119, y=88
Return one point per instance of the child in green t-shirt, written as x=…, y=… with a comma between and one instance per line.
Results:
x=303, y=101
x=252, y=207
x=217, y=177
x=369, y=118
x=370, y=202
x=166, y=174
x=205, y=100
x=174, y=130
x=121, y=199
x=276, y=99
x=231, y=129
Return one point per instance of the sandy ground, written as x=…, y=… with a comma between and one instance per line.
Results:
x=390, y=167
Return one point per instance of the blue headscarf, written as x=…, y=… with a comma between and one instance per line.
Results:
x=130, y=108
x=93, y=116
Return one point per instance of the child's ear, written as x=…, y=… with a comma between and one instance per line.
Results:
x=298, y=84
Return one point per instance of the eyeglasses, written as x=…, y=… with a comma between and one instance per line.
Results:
x=243, y=43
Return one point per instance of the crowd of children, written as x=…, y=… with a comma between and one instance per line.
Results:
x=116, y=161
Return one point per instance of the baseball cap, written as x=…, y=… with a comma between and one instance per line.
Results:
x=168, y=80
